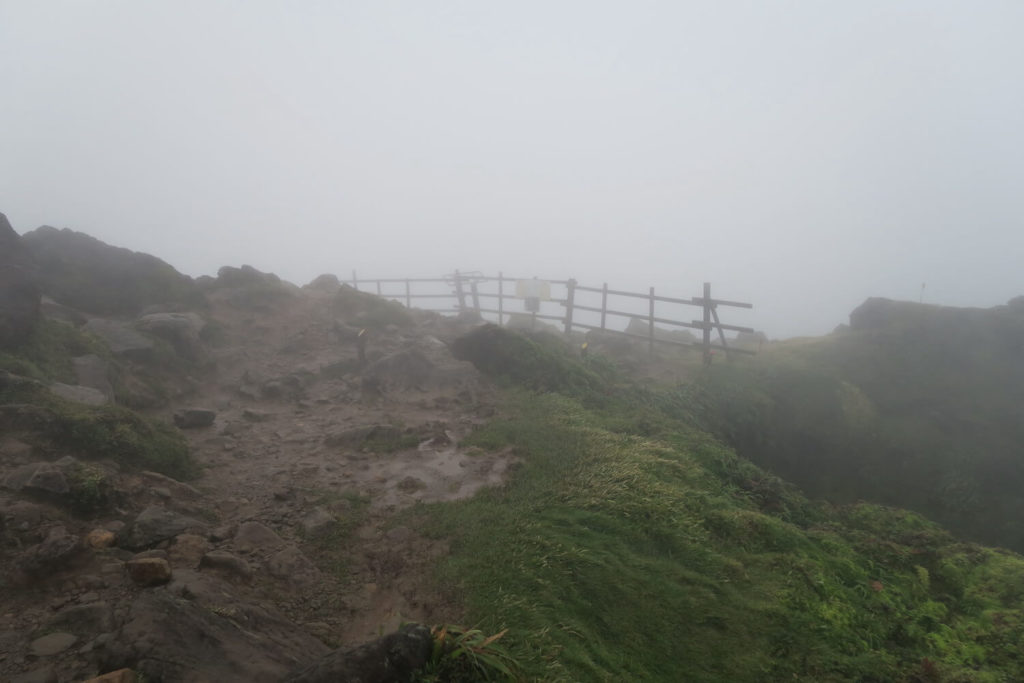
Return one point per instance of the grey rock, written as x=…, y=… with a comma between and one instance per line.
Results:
x=318, y=521
x=226, y=562
x=122, y=338
x=79, y=394
x=192, y=418
x=168, y=638
x=43, y=675
x=94, y=372
x=253, y=536
x=173, y=326
x=155, y=524
x=39, y=477
x=395, y=658
x=52, y=644
x=291, y=565
x=181, y=329
x=58, y=551
x=84, y=620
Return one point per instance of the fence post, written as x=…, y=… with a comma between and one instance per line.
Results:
x=378, y=287
x=501, y=299
x=476, y=296
x=721, y=333
x=604, y=303
x=650, y=326
x=707, y=323
x=569, y=298
x=408, y=295
x=355, y=282
x=459, y=293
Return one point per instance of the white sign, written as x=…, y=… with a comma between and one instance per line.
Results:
x=533, y=289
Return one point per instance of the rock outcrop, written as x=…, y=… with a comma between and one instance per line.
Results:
x=19, y=293
x=82, y=272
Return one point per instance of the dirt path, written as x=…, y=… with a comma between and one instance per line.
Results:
x=325, y=454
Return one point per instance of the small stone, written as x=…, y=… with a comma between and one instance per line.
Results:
x=112, y=568
x=317, y=522
x=52, y=644
x=100, y=538
x=149, y=571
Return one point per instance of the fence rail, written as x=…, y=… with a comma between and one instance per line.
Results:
x=467, y=290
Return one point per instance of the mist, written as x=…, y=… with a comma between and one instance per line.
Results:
x=799, y=156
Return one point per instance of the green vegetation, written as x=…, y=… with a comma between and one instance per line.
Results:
x=919, y=419
x=99, y=432
x=47, y=353
x=632, y=545
x=91, y=489
x=466, y=654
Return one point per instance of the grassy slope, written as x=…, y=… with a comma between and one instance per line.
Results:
x=93, y=432
x=906, y=415
x=631, y=547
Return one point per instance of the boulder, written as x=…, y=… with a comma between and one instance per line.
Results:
x=292, y=566
x=82, y=272
x=57, y=552
x=84, y=620
x=122, y=338
x=156, y=524
x=182, y=330
x=327, y=283
x=253, y=536
x=227, y=563
x=76, y=393
x=38, y=477
x=19, y=291
x=194, y=418
x=318, y=521
x=395, y=658
x=52, y=644
x=166, y=638
x=94, y=372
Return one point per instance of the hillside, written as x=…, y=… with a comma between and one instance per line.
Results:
x=912, y=405
x=245, y=480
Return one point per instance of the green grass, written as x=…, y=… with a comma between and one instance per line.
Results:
x=102, y=432
x=929, y=424
x=617, y=557
x=47, y=353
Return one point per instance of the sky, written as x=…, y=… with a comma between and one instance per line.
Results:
x=798, y=155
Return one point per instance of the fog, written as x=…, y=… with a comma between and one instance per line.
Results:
x=801, y=156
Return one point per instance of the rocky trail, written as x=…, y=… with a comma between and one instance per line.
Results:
x=290, y=544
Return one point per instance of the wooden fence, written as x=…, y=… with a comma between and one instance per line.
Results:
x=565, y=302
